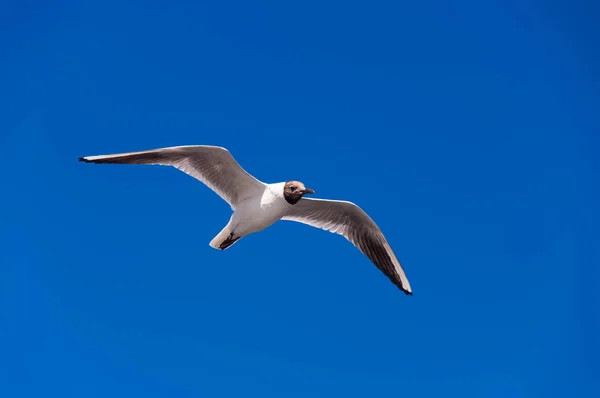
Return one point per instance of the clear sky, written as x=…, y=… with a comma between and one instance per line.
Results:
x=468, y=130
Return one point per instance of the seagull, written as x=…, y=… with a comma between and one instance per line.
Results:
x=257, y=205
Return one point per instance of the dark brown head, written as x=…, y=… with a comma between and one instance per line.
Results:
x=293, y=191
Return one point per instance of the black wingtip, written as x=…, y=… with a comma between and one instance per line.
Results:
x=84, y=160
x=407, y=292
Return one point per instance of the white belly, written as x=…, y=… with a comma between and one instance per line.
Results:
x=255, y=214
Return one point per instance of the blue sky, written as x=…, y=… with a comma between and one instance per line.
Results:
x=467, y=130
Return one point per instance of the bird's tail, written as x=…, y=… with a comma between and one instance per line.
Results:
x=224, y=239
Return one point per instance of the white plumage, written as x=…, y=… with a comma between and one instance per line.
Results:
x=257, y=205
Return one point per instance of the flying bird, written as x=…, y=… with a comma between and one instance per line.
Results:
x=257, y=205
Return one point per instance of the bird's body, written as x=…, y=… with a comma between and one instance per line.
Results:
x=257, y=205
x=255, y=213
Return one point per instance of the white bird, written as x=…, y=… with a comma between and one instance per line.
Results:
x=257, y=205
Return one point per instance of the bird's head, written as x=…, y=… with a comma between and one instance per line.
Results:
x=293, y=191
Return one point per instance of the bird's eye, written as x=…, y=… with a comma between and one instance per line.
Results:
x=292, y=189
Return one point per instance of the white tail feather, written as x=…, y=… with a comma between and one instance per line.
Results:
x=221, y=237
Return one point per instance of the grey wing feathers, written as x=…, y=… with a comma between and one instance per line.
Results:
x=349, y=220
x=212, y=165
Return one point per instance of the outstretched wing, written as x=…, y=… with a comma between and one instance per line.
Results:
x=212, y=165
x=349, y=220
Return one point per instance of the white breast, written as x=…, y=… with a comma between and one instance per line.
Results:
x=257, y=213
